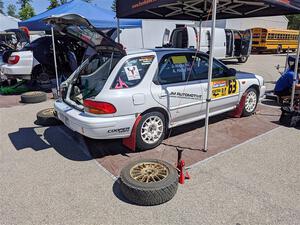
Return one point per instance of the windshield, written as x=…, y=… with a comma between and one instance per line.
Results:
x=92, y=76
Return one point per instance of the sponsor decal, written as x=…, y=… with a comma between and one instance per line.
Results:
x=223, y=88
x=119, y=130
x=142, y=3
x=181, y=59
x=185, y=95
x=132, y=73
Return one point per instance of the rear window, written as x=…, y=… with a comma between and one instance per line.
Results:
x=132, y=72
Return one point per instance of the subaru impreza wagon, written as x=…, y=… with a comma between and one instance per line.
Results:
x=164, y=88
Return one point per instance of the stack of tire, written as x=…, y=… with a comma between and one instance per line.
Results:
x=45, y=117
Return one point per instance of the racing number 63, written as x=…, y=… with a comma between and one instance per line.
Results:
x=232, y=87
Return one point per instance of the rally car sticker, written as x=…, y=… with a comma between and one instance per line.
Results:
x=224, y=87
x=132, y=73
x=180, y=59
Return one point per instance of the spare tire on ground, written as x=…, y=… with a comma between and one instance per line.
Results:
x=34, y=97
x=47, y=117
x=149, y=182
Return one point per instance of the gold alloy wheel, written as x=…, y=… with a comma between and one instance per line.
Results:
x=49, y=112
x=148, y=172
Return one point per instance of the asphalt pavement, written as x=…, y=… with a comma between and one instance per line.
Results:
x=48, y=177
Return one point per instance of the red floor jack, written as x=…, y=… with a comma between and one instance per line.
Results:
x=183, y=174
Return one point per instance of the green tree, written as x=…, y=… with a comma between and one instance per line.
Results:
x=1, y=6
x=26, y=12
x=23, y=3
x=11, y=10
x=114, y=6
x=294, y=22
x=53, y=4
x=63, y=2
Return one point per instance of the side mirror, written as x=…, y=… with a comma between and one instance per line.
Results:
x=231, y=72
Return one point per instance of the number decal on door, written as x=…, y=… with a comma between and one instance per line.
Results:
x=232, y=87
x=224, y=87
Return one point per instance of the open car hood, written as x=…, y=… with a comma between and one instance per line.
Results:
x=80, y=28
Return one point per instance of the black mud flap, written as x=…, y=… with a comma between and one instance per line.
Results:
x=289, y=117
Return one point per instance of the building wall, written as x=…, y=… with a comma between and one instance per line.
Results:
x=280, y=22
x=153, y=30
x=7, y=22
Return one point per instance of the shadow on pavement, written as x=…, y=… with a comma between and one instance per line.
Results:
x=270, y=102
x=102, y=148
x=42, y=138
x=116, y=188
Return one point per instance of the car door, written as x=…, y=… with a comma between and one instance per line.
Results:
x=225, y=86
x=229, y=42
x=174, y=89
x=246, y=43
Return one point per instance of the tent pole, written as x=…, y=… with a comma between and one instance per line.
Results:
x=55, y=61
x=295, y=72
x=199, y=35
x=142, y=33
x=210, y=71
x=118, y=30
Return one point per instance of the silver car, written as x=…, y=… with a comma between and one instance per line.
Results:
x=151, y=90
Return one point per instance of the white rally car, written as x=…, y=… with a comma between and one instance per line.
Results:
x=156, y=89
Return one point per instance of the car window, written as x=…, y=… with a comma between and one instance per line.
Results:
x=132, y=72
x=219, y=70
x=200, y=68
x=175, y=69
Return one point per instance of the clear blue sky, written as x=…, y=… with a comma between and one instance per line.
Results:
x=41, y=5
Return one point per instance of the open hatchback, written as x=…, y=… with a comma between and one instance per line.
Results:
x=101, y=56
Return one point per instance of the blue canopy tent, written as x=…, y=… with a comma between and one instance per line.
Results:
x=99, y=18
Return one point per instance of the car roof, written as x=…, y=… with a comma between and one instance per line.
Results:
x=160, y=50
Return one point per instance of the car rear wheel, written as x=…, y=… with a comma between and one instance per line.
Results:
x=251, y=101
x=150, y=131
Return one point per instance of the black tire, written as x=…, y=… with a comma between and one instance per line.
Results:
x=243, y=59
x=140, y=143
x=33, y=97
x=246, y=110
x=151, y=193
x=47, y=117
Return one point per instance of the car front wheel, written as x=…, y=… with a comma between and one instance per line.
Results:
x=251, y=101
x=150, y=130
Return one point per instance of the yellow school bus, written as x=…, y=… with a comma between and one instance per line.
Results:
x=274, y=40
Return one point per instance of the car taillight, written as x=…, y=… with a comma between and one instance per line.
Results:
x=14, y=59
x=99, y=107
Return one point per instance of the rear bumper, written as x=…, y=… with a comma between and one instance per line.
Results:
x=93, y=126
x=12, y=71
